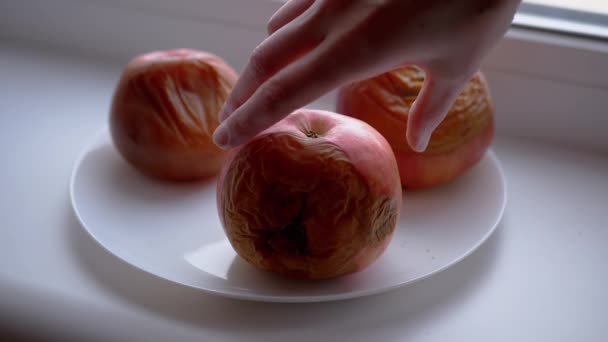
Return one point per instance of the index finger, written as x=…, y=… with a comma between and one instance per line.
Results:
x=282, y=47
x=298, y=84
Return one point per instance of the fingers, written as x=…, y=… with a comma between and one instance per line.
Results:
x=287, y=13
x=274, y=53
x=296, y=85
x=430, y=108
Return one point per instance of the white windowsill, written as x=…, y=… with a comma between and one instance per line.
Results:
x=541, y=275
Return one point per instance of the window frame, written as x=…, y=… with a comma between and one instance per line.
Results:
x=562, y=20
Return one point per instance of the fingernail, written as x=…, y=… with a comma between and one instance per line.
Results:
x=221, y=138
x=224, y=112
x=422, y=141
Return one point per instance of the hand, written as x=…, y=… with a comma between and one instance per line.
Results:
x=315, y=46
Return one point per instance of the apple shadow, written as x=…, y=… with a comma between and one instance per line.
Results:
x=133, y=184
x=238, y=319
x=240, y=272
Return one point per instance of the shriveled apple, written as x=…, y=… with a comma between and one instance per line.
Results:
x=315, y=196
x=165, y=110
x=457, y=144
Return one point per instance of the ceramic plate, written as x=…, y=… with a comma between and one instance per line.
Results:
x=173, y=230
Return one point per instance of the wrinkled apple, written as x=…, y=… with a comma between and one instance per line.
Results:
x=165, y=109
x=458, y=143
x=315, y=196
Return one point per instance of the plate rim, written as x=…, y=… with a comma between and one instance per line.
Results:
x=248, y=296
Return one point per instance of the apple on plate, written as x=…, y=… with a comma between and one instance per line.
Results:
x=457, y=144
x=164, y=112
x=315, y=196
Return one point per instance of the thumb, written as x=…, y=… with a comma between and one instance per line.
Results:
x=430, y=108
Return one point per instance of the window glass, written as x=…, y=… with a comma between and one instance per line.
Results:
x=581, y=17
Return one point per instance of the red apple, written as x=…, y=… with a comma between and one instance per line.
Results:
x=165, y=109
x=315, y=196
x=459, y=142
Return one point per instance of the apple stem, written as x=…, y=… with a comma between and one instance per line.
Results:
x=312, y=134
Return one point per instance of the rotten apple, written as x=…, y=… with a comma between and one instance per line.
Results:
x=165, y=109
x=457, y=144
x=315, y=196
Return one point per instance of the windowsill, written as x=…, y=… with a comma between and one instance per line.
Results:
x=543, y=265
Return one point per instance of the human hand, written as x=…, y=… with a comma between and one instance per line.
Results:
x=315, y=46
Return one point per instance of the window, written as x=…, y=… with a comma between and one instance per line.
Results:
x=594, y=6
x=582, y=17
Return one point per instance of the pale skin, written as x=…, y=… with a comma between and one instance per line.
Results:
x=315, y=46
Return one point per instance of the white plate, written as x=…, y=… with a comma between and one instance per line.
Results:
x=173, y=230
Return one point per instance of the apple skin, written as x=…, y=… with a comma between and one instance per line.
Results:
x=315, y=196
x=164, y=112
x=457, y=144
